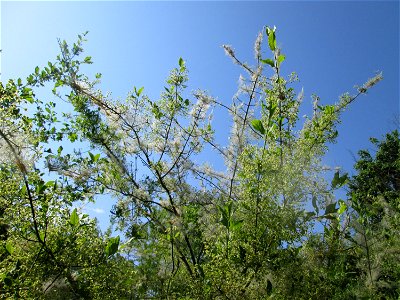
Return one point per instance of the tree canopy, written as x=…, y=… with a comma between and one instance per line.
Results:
x=188, y=231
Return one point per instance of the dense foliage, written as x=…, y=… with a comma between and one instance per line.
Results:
x=269, y=226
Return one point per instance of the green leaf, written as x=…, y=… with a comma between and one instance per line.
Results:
x=88, y=59
x=140, y=91
x=281, y=58
x=72, y=137
x=271, y=109
x=258, y=126
x=74, y=219
x=330, y=209
x=342, y=207
x=268, y=61
x=9, y=247
x=224, y=216
x=235, y=225
x=181, y=62
x=338, y=181
x=40, y=188
x=37, y=70
x=228, y=208
x=23, y=190
x=157, y=112
x=112, y=246
x=50, y=183
x=224, y=221
x=41, y=236
x=226, y=211
x=271, y=38
x=314, y=204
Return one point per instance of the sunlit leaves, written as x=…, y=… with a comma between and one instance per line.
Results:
x=88, y=60
x=245, y=232
x=181, y=62
x=112, y=246
x=227, y=219
x=281, y=58
x=42, y=236
x=94, y=157
x=342, y=207
x=9, y=247
x=139, y=91
x=268, y=61
x=258, y=126
x=74, y=218
x=236, y=224
x=271, y=38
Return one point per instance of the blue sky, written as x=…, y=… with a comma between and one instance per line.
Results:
x=331, y=45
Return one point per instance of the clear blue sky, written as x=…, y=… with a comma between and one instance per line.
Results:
x=331, y=45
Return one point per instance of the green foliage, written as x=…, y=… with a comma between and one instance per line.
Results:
x=377, y=178
x=338, y=181
x=190, y=232
x=74, y=219
x=257, y=125
x=112, y=246
x=375, y=198
x=268, y=62
x=271, y=38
